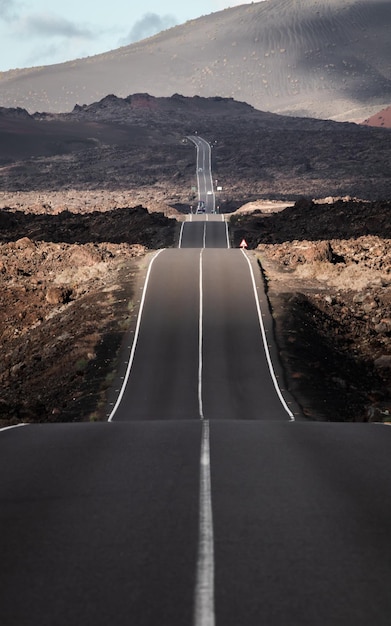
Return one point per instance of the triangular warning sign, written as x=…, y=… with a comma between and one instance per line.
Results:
x=243, y=244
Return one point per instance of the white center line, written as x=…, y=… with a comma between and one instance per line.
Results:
x=204, y=611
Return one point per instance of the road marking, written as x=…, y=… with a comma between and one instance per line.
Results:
x=227, y=234
x=267, y=352
x=204, y=611
x=135, y=338
x=204, y=239
x=2, y=430
x=181, y=235
x=200, y=340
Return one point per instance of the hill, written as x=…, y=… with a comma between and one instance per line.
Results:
x=139, y=144
x=74, y=238
x=313, y=58
x=381, y=118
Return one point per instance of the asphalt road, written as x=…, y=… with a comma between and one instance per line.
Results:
x=99, y=523
x=204, y=231
x=211, y=287
x=205, y=499
x=206, y=192
x=301, y=523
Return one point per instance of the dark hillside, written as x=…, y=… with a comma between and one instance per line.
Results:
x=140, y=143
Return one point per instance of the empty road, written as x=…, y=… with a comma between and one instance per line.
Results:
x=205, y=499
x=204, y=172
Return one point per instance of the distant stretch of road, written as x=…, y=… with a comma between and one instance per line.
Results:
x=206, y=194
x=206, y=499
x=204, y=231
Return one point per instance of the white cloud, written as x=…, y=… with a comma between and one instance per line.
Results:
x=7, y=9
x=148, y=25
x=50, y=25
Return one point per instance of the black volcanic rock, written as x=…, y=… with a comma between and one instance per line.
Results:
x=140, y=142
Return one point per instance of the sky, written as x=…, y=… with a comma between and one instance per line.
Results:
x=43, y=32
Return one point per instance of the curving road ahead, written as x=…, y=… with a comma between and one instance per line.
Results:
x=206, y=192
x=205, y=499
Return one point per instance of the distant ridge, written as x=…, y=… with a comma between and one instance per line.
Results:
x=310, y=58
x=381, y=118
x=138, y=143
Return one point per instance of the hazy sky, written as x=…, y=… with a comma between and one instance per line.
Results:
x=42, y=32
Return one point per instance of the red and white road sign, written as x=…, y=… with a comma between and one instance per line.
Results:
x=243, y=244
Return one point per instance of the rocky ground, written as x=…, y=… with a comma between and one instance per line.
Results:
x=68, y=274
x=138, y=146
x=331, y=301
x=73, y=237
x=66, y=300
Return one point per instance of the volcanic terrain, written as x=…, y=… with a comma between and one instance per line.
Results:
x=96, y=170
x=84, y=197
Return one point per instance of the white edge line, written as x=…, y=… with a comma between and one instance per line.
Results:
x=204, y=238
x=181, y=235
x=227, y=233
x=204, y=610
x=135, y=338
x=267, y=352
x=2, y=430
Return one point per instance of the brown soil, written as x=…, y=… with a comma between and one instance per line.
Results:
x=331, y=301
x=68, y=237
x=67, y=295
x=67, y=300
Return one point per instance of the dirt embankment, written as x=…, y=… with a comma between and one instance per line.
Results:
x=328, y=271
x=67, y=293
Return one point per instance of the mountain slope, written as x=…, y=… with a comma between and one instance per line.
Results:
x=138, y=143
x=317, y=58
x=381, y=118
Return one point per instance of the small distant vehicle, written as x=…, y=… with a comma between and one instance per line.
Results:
x=201, y=207
x=200, y=169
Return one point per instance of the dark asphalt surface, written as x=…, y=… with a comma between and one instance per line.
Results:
x=237, y=380
x=163, y=383
x=205, y=232
x=301, y=519
x=99, y=523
